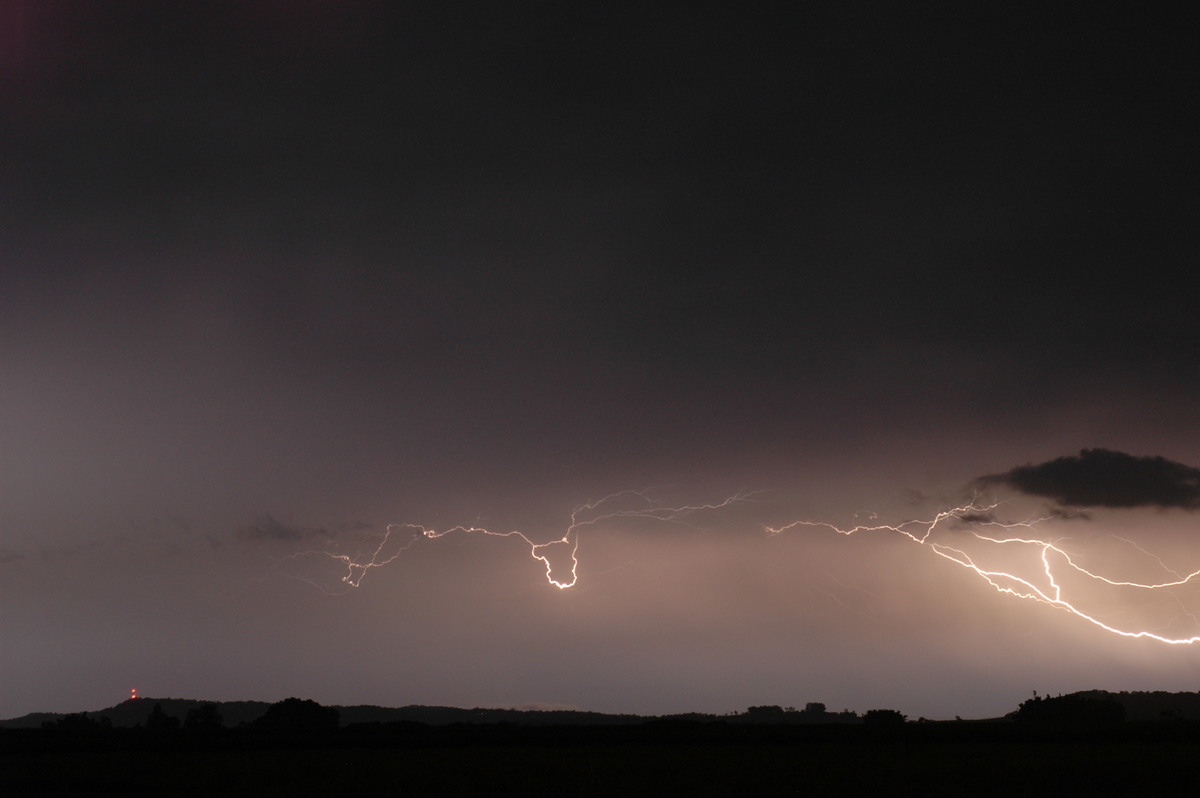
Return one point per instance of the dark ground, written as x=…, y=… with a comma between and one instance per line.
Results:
x=693, y=759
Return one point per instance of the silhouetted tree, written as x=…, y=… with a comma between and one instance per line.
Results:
x=203, y=719
x=765, y=714
x=160, y=722
x=297, y=714
x=884, y=717
x=1071, y=709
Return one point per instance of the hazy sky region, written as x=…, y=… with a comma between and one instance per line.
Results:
x=276, y=275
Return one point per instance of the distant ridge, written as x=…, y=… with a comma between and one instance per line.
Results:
x=1139, y=706
x=1151, y=705
x=135, y=711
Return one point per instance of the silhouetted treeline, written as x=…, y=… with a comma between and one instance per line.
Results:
x=78, y=723
x=813, y=712
x=173, y=714
x=1151, y=705
x=168, y=716
x=1074, y=708
x=298, y=747
x=135, y=712
x=303, y=725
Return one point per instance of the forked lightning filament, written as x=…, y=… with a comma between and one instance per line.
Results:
x=1056, y=562
x=1045, y=588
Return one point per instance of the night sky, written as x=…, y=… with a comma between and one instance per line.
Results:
x=275, y=275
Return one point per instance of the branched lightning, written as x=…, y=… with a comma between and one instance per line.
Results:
x=628, y=504
x=949, y=534
x=1056, y=562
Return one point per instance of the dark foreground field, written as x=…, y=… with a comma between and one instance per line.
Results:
x=690, y=759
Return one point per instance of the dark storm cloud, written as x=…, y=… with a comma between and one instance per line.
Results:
x=977, y=518
x=1069, y=514
x=268, y=528
x=1105, y=478
x=591, y=184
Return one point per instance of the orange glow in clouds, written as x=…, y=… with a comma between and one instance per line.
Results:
x=1056, y=577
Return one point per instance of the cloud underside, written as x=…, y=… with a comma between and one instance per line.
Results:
x=269, y=528
x=1105, y=478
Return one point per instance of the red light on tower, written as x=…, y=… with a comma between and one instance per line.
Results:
x=133, y=694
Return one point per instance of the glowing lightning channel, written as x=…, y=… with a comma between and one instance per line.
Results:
x=1045, y=588
x=921, y=532
x=609, y=508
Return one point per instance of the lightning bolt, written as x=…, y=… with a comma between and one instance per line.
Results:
x=623, y=505
x=941, y=534
x=1056, y=562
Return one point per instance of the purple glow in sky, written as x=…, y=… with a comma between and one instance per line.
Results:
x=276, y=276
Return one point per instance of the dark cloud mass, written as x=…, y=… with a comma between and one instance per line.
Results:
x=1105, y=478
x=977, y=518
x=268, y=528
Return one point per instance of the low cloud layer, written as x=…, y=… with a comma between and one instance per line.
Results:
x=1104, y=478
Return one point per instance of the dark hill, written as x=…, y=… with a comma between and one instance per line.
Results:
x=1153, y=705
x=135, y=711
